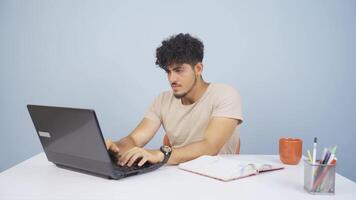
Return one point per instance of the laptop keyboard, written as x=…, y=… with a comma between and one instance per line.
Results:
x=125, y=171
x=134, y=166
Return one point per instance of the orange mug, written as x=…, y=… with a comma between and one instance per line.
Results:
x=290, y=150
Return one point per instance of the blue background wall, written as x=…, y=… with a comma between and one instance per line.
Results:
x=292, y=62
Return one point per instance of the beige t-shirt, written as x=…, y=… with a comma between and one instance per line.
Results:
x=185, y=124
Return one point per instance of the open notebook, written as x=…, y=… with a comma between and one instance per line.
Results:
x=227, y=168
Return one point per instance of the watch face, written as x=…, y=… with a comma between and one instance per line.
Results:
x=167, y=149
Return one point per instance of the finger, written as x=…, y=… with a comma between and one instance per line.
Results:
x=127, y=155
x=134, y=158
x=142, y=161
x=112, y=146
x=115, y=148
x=124, y=155
x=108, y=144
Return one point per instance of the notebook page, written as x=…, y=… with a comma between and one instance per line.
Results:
x=219, y=167
x=259, y=163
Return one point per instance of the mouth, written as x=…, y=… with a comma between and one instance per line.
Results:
x=175, y=89
x=174, y=86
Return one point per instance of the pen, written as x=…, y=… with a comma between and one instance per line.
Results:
x=310, y=157
x=333, y=151
x=314, y=149
x=331, y=159
x=324, y=154
x=327, y=157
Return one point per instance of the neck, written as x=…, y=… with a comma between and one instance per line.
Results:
x=197, y=91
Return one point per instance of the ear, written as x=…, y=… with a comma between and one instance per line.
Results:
x=198, y=68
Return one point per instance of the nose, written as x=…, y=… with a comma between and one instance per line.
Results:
x=172, y=77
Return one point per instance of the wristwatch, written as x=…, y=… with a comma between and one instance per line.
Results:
x=166, y=150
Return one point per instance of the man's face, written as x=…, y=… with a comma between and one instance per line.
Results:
x=182, y=79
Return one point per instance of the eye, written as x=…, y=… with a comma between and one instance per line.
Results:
x=178, y=70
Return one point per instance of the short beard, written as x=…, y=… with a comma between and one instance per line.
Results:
x=179, y=96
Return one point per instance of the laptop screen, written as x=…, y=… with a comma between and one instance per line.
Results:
x=73, y=132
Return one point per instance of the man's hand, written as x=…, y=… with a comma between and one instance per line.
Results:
x=110, y=145
x=130, y=156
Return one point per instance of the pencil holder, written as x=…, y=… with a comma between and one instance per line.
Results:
x=319, y=178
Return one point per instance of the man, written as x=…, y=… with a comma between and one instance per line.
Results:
x=199, y=118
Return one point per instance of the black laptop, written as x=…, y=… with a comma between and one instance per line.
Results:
x=72, y=139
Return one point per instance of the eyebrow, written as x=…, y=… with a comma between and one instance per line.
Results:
x=177, y=67
x=174, y=68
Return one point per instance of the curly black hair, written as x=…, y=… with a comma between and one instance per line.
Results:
x=179, y=49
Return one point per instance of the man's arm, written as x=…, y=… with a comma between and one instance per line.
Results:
x=139, y=137
x=218, y=132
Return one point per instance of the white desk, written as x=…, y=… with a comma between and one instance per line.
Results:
x=37, y=178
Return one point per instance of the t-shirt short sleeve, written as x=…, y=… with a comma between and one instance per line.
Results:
x=154, y=110
x=227, y=103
